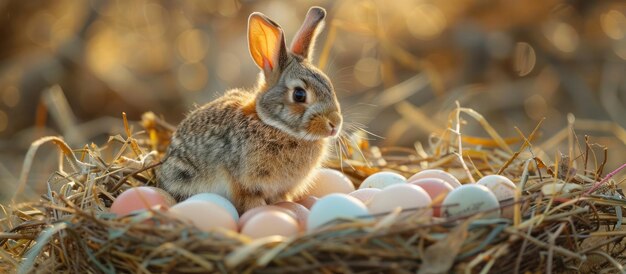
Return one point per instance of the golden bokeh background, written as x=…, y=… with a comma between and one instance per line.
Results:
x=71, y=68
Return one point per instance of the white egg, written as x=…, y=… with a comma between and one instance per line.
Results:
x=335, y=206
x=470, y=199
x=405, y=196
x=436, y=173
x=382, y=179
x=217, y=199
x=327, y=181
x=501, y=186
x=364, y=194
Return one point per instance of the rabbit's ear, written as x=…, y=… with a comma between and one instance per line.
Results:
x=304, y=40
x=266, y=43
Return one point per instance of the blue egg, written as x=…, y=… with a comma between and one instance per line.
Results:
x=335, y=206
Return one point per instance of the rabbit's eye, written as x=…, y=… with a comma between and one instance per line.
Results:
x=299, y=95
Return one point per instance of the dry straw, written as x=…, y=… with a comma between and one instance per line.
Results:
x=565, y=215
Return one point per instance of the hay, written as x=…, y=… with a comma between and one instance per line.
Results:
x=70, y=229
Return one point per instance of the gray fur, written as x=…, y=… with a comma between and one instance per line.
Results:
x=260, y=157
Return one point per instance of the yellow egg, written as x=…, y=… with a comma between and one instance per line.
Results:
x=270, y=223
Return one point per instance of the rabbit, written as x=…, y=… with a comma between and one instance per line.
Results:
x=260, y=146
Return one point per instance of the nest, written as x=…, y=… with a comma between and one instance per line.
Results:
x=566, y=216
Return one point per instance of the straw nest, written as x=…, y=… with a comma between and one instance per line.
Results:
x=566, y=216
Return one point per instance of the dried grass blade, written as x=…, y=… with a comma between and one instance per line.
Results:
x=30, y=157
x=439, y=257
x=42, y=241
x=488, y=128
x=242, y=253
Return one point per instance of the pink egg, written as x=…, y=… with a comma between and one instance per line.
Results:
x=308, y=201
x=139, y=198
x=302, y=213
x=204, y=215
x=246, y=216
x=364, y=194
x=436, y=173
x=168, y=197
x=405, y=196
x=437, y=189
x=327, y=181
x=269, y=223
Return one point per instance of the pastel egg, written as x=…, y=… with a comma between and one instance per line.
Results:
x=327, y=181
x=501, y=186
x=436, y=173
x=140, y=198
x=302, y=213
x=246, y=216
x=470, y=199
x=204, y=215
x=405, y=196
x=269, y=223
x=217, y=199
x=170, y=201
x=437, y=189
x=308, y=201
x=382, y=179
x=335, y=206
x=364, y=194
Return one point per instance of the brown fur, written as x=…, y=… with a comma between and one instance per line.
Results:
x=258, y=147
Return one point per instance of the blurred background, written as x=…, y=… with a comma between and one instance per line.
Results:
x=70, y=68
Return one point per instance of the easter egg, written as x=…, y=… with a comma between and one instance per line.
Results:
x=501, y=186
x=269, y=223
x=302, y=213
x=204, y=215
x=217, y=199
x=327, y=181
x=307, y=201
x=169, y=200
x=246, y=216
x=382, y=179
x=140, y=198
x=437, y=189
x=335, y=206
x=470, y=199
x=364, y=194
x=405, y=196
x=436, y=173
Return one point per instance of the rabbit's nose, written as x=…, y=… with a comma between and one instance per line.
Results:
x=334, y=123
x=333, y=129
